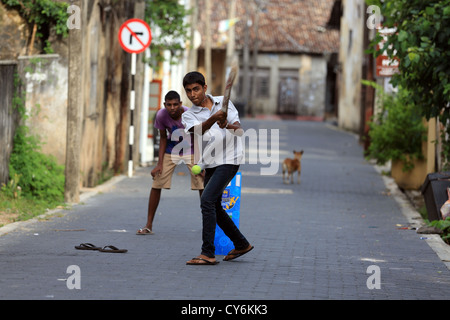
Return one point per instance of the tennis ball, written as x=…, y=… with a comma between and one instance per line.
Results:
x=196, y=169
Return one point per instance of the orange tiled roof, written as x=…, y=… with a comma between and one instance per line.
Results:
x=284, y=25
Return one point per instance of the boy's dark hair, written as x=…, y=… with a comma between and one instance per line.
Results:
x=172, y=95
x=194, y=77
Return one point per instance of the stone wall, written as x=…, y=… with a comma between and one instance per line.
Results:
x=106, y=89
x=106, y=84
x=14, y=34
x=44, y=79
x=310, y=74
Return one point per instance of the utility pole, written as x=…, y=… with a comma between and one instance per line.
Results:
x=246, y=54
x=74, y=111
x=255, y=60
x=208, y=46
x=192, y=59
x=231, y=40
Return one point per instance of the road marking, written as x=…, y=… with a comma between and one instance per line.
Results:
x=266, y=191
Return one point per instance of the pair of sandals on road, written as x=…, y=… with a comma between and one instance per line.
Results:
x=205, y=261
x=233, y=254
x=90, y=246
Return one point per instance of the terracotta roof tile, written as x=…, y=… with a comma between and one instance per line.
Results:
x=284, y=25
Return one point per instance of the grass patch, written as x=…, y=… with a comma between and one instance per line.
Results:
x=22, y=209
x=444, y=226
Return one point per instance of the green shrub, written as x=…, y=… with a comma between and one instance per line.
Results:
x=32, y=174
x=421, y=47
x=396, y=131
x=444, y=226
x=40, y=175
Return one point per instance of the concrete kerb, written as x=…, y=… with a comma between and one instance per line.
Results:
x=415, y=219
x=86, y=193
x=89, y=192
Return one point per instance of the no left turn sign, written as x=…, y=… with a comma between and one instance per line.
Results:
x=135, y=36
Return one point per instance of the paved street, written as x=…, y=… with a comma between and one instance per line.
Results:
x=321, y=239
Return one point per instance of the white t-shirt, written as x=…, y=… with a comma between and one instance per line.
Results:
x=218, y=146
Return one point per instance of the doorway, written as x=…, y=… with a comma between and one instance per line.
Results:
x=287, y=92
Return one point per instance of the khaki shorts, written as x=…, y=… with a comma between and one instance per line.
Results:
x=164, y=180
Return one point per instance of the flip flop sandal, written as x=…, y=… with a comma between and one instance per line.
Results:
x=233, y=255
x=112, y=249
x=144, y=231
x=87, y=246
x=203, y=263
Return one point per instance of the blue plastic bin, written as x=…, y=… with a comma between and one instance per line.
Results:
x=231, y=202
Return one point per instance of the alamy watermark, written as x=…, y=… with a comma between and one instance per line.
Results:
x=374, y=280
x=74, y=280
x=74, y=20
x=374, y=20
x=217, y=147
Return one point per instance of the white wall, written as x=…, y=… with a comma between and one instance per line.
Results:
x=45, y=81
x=312, y=72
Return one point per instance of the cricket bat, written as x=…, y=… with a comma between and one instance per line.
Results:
x=229, y=85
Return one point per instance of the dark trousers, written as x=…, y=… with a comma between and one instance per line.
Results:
x=216, y=180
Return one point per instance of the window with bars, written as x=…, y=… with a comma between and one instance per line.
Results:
x=262, y=83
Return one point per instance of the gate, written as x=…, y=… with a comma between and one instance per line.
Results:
x=9, y=117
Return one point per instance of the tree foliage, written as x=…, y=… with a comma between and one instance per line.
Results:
x=167, y=18
x=422, y=45
x=46, y=15
x=397, y=131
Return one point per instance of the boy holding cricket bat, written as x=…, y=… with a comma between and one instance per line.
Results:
x=219, y=133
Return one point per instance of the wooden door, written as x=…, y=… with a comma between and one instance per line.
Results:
x=288, y=92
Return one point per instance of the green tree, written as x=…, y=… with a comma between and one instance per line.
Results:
x=42, y=17
x=422, y=46
x=169, y=17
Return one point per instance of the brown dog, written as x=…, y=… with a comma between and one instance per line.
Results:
x=292, y=165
